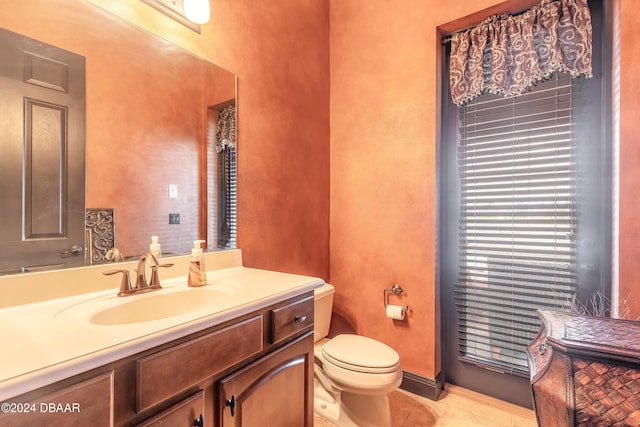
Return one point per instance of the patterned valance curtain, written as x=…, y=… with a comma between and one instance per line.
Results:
x=506, y=54
x=226, y=131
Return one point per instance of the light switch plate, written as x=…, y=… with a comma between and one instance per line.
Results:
x=173, y=191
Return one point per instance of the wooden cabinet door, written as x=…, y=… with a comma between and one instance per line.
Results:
x=88, y=403
x=187, y=413
x=275, y=390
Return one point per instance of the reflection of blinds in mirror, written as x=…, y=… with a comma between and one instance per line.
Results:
x=232, y=214
x=222, y=178
x=227, y=212
x=517, y=248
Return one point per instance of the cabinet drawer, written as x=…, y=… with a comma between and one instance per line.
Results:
x=290, y=319
x=89, y=402
x=168, y=372
x=185, y=413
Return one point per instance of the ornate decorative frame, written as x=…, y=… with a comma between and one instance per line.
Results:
x=101, y=233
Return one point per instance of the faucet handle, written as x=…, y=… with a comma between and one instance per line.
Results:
x=125, y=284
x=155, y=278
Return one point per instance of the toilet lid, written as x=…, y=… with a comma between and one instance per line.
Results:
x=361, y=354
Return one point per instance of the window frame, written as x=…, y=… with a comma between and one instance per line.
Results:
x=483, y=379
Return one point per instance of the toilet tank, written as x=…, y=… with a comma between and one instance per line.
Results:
x=322, y=306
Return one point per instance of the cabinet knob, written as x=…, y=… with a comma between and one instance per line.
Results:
x=542, y=348
x=199, y=422
x=231, y=403
x=299, y=319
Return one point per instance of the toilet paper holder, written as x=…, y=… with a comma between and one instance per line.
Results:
x=396, y=289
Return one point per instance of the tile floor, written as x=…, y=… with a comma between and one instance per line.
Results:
x=456, y=407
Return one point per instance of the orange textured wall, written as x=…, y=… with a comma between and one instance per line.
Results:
x=280, y=51
x=629, y=245
x=383, y=90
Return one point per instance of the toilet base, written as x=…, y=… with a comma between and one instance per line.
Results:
x=367, y=411
x=352, y=410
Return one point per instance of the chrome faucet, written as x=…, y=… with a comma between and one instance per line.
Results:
x=141, y=284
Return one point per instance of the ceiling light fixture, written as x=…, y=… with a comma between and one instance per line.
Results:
x=197, y=11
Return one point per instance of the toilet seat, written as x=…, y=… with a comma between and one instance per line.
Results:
x=361, y=354
x=361, y=365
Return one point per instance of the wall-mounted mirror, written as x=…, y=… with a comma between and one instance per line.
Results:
x=157, y=140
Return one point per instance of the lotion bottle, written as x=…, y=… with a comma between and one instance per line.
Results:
x=197, y=272
x=154, y=247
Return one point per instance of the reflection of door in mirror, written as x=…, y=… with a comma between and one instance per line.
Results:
x=42, y=161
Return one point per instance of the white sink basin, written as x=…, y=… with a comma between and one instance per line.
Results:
x=149, y=306
x=158, y=305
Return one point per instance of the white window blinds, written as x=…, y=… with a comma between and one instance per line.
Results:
x=517, y=250
x=227, y=192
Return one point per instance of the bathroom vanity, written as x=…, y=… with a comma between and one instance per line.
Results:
x=243, y=356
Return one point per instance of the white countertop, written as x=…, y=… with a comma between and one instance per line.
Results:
x=48, y=341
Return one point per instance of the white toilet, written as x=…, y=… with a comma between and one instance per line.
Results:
x=353, y=374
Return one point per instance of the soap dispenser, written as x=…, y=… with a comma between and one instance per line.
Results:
x=197, y=272
x=154, y=247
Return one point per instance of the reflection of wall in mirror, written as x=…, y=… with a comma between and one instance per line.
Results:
x=146, y=121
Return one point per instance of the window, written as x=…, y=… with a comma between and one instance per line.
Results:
x=525, y=219
x=518, y=217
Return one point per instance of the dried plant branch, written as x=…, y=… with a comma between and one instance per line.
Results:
x=597, y=305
